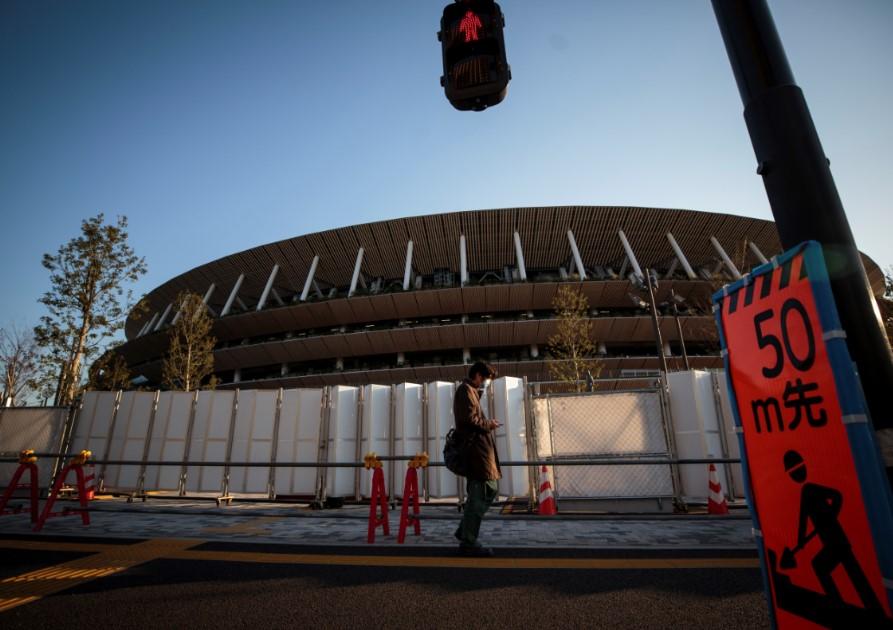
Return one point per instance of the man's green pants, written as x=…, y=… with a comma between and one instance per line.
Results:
x=481, y=495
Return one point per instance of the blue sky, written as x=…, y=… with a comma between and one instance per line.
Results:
x=217, y=125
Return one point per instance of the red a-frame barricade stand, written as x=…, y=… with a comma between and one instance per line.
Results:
x=378, y=500
x=77, y=465
x=411, y=496
x=27, y=463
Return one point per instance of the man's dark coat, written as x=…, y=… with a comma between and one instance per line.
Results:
x=471, y=424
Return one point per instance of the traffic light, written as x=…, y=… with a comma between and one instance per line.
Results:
x=476, y=74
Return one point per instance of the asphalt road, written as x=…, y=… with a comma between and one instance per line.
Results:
x=216, y=585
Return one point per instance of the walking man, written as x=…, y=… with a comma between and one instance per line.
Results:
x=479, y=434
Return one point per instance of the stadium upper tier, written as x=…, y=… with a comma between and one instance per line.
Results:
x=432, y=291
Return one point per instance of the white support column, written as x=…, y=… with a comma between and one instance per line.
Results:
x=207, y=297
x=152, y=322
x=232, y=295
x=309, y=282
x=277, y=297
x=179, y=312
x=756, y=252
x=725, y=258
x=269, y=285
x=601, y=349
x=672, y=268
x=241, y=304
x=407, y=268
x=143, y=330
x=356, y=273
x=519, y=258
x=578, y=261
x=630, y=256
x=237, y=376
x=209, y=293
x=164, y=315
x=681, y=257
x=463, y=262
x=401, y=359
x=534, y=351
x=466, y=355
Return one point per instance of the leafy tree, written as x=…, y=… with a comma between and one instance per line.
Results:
x=19, y=365
x=109, y=373
x=86, y=303
x=571, y=346
x=189, y=363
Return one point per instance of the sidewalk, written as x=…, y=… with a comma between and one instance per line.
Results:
x=292, y=524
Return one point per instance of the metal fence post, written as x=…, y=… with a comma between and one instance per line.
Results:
x=392, y=442
x=274, y=448
x=141, y=480
x=229, y=450
x=723, y=439
x=323, y=444
x=358, y=449
x=425, y=433
x=532, y=448
x=108, y=444
x=184, y=469
x=670, y=433
x=460, y=489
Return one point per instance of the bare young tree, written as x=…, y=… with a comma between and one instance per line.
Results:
x=571, y=346
x=87, y=303
x=189, y=363
x=19, y=363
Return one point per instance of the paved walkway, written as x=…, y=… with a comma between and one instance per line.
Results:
x=299, y=525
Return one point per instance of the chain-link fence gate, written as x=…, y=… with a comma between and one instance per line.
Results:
x=596, y=425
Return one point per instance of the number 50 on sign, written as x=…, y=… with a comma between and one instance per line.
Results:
x=818, y=492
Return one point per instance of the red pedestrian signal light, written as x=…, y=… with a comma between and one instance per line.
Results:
x=476, y=74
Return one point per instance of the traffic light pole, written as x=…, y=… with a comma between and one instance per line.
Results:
x=802, y=194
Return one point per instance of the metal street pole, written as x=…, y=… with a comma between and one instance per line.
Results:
x=679, y=329
x=658, y=338
x=802, y=194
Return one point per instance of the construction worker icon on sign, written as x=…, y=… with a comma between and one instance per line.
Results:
x=820, y=509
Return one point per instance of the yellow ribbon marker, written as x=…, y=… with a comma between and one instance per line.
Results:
x=81, y=458
x=27, y=457
x=371, y=461
x=419, y=461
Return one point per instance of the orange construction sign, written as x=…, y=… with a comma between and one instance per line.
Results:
x=816, y=485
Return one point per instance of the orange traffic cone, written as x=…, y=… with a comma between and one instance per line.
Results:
x=716, y=499
x=546, y=500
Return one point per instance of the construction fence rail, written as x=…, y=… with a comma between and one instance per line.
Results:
x=307, y=444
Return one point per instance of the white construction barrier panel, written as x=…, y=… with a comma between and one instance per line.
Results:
x=511, y=437
x=253, y=441
x=342, y=442
x=128, y=436
x=441, y=482
x=407, y=429
x=210, y=438
x=168, y=442
x=37, y=428
x=93, y=423
x=299, y=425
x=376, y=430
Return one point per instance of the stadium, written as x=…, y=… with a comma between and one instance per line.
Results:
x=417, y=299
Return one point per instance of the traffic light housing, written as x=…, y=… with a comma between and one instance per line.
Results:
x=476, y=74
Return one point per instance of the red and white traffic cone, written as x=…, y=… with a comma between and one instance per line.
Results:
x=546, y=499
x=716, y=499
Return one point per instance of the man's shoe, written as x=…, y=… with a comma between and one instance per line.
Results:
x=476, y=551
